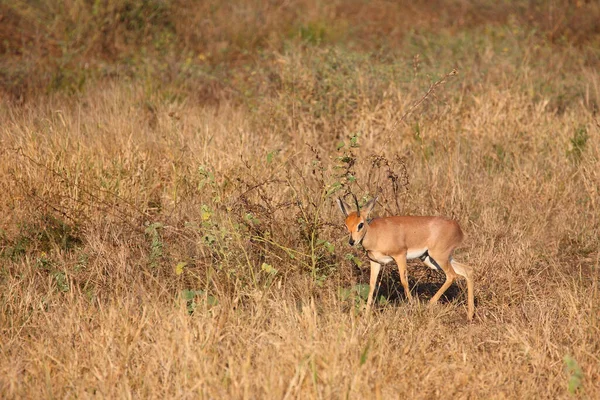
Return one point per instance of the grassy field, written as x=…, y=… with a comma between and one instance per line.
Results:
x=169, y=171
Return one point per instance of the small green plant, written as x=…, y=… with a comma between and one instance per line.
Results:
x=382, y=300
x=577, y=144
x=82, y=262
x=417, y=133
x=67, y=79
x=497, y=161
x=354, y=259
x=205, y=213
x=313, y=33
x=364, y=353
x=180, y=267
x=206, y=177
x=43, y=262
x=190, y=297
x=13, y=249
x=251, y=218
x=327, y=245
x=360, y=290
x=357, y=295
x=156, y=243
x=271, y=273
x=346, y=162
x=60, y=278
x=269, y=269
x=271, y=155
x=574, y=373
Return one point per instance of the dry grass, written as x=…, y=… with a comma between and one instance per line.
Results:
x=156, y=243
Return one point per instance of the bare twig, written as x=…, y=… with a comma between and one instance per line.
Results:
x=430, y=91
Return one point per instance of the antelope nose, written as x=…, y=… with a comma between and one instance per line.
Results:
x=351, y=241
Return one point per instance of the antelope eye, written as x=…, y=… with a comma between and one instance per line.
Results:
x=360, y=226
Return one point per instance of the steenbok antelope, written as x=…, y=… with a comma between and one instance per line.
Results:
x=401, y=238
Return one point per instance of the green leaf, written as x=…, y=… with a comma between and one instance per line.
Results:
x=179, y=267
x=212, y=300
x=329, y=246
x=363, y=354
x=382, y=301
x=205, y=212
x=344, y=293
x=354, y=259
x=152, y=228
x=334, y=188
x=575, y=374
x=61, y=281
x=268, y=268
x=190, y=297
x=251, y=218
x=188, y=294
x=209, y=239
x=362, y=290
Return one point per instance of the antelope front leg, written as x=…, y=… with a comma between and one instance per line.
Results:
x=375, y=267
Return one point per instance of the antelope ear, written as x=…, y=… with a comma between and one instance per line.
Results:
x=369, y=206
x=342, y=206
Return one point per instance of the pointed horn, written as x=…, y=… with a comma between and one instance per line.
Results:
x=342, y=206
x=357, y=207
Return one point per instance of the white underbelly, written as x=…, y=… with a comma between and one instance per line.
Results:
x=385, y=259
x=380, y=258
x=415, y=253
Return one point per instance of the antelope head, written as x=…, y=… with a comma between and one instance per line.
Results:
x=356, y=221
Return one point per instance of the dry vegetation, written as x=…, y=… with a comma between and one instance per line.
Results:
x=168, y=174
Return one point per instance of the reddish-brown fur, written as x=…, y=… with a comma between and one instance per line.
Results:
x=399, y=238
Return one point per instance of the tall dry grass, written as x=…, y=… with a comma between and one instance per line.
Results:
x=160, y=244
